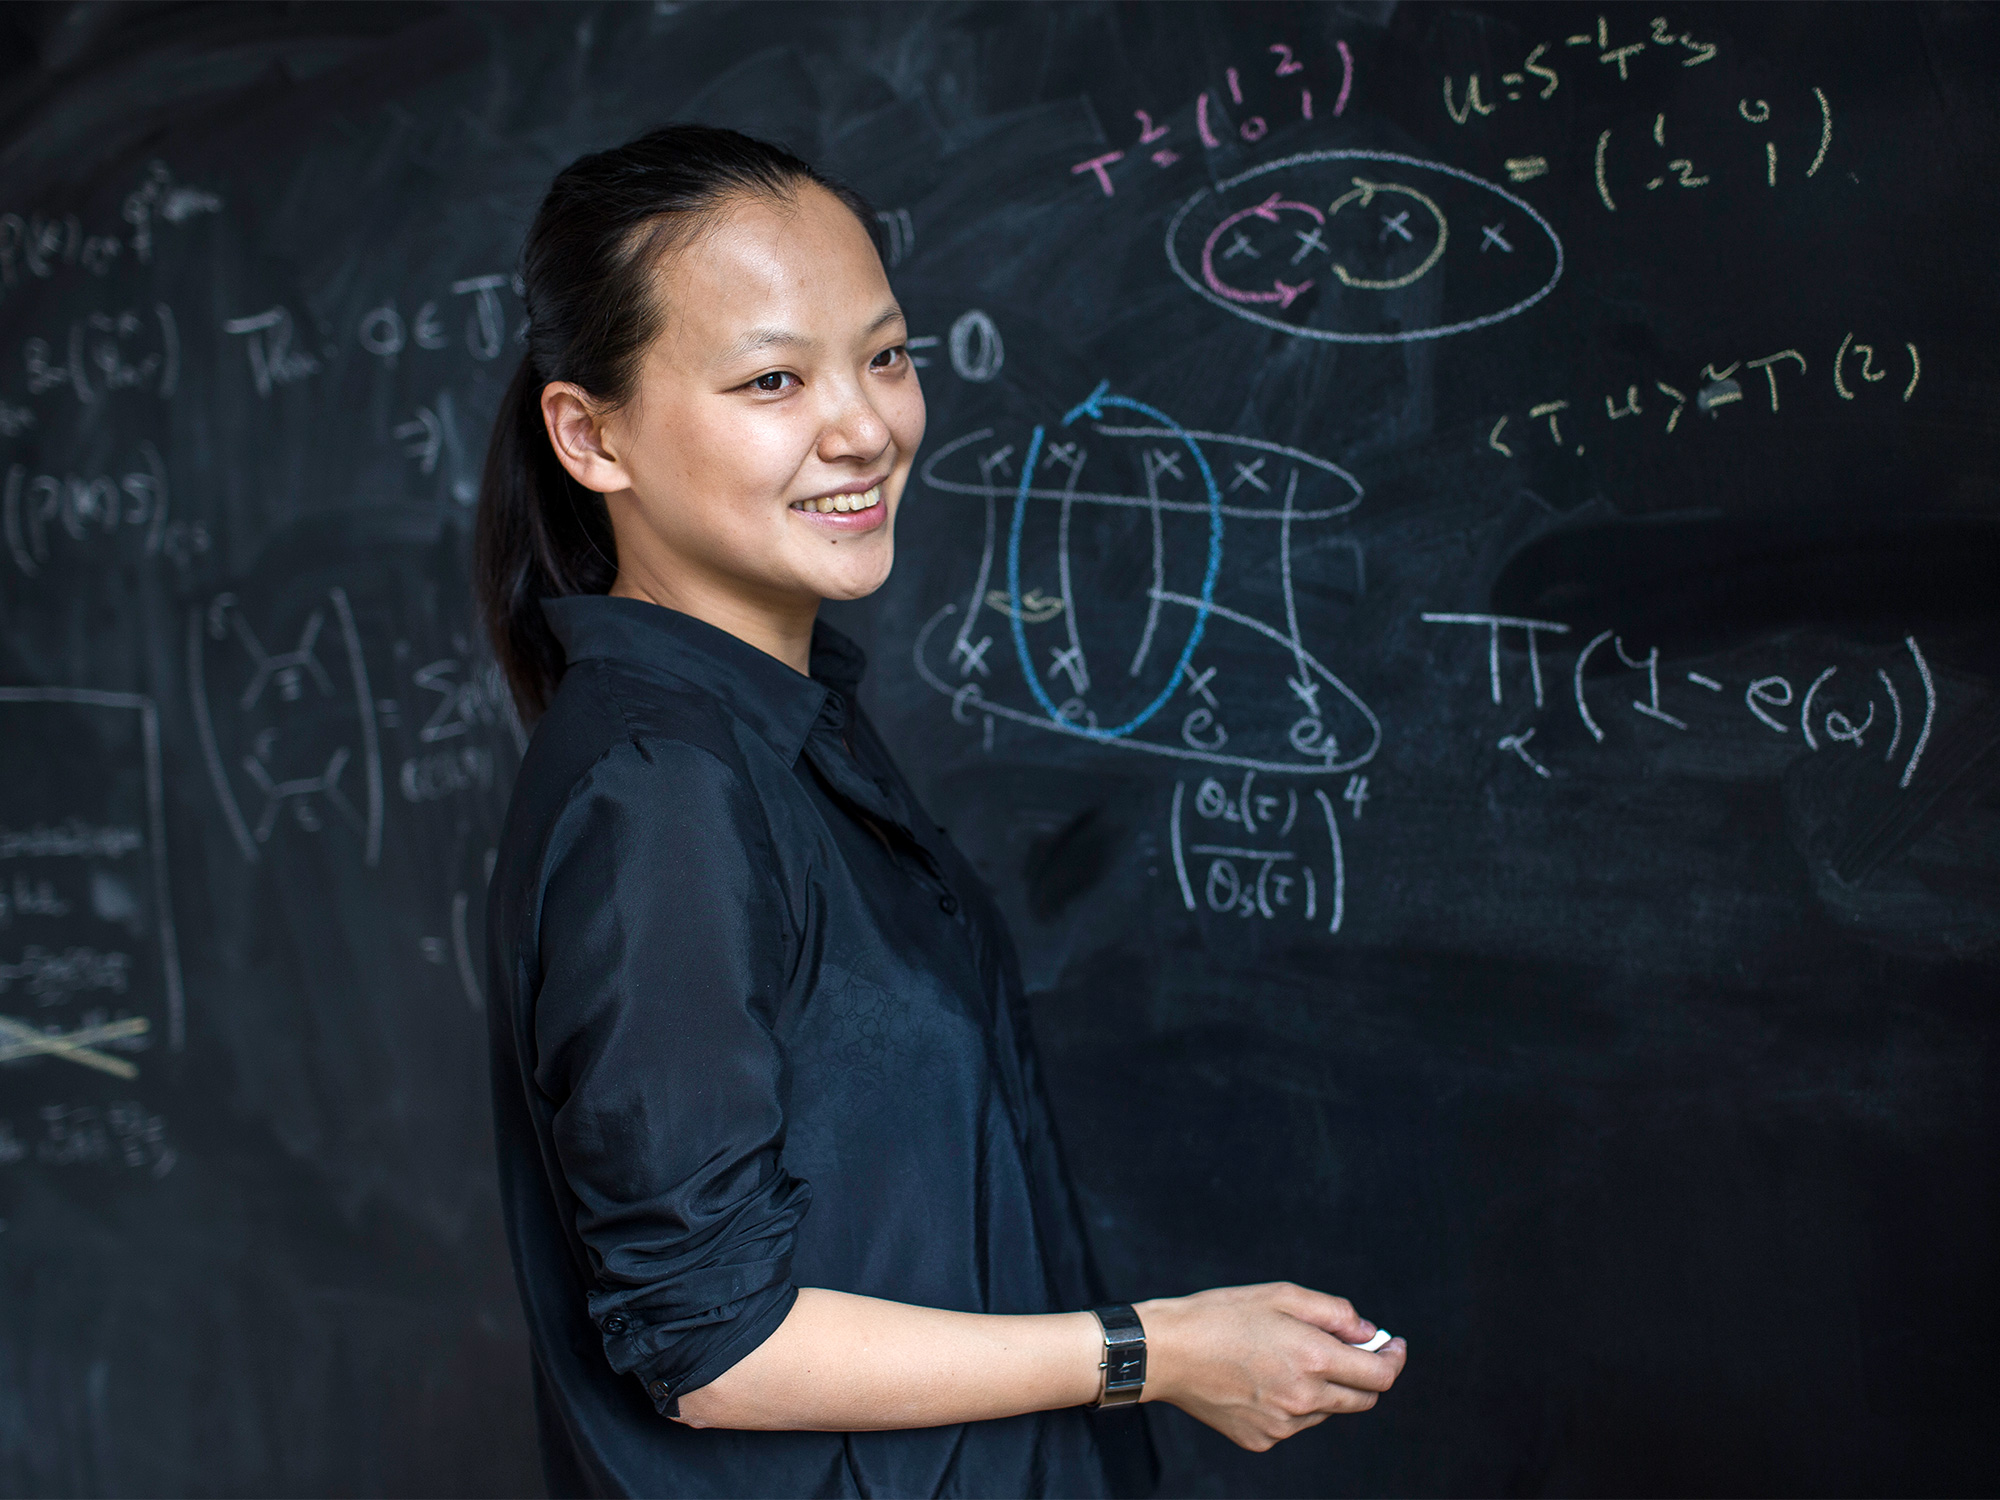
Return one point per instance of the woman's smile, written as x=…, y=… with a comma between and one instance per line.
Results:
x=847, y=510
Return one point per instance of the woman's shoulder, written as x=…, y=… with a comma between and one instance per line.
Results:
x=618, y=740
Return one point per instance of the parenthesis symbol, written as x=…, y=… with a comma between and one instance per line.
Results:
x=1174, y=833
x=1930, y=709
x=1576, y=677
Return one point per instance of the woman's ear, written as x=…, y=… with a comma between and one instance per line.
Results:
x=578, y=433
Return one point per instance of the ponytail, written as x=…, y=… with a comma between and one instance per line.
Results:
x=593, y=307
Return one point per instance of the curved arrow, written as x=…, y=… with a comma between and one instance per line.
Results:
x=1363, y=192
x=1283, y=294
x=1093, y=406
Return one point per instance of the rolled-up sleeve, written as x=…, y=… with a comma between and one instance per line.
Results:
x=662, y=940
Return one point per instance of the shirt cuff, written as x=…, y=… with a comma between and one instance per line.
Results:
x=758, y=1320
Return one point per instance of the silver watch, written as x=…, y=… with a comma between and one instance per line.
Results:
x=1124, y=1362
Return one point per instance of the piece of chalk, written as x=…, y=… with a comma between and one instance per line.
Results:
x=1381, y=1338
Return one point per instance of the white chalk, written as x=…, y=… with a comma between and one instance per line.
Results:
x=1381, y=1338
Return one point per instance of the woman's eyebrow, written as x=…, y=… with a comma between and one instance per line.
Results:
x=759, y=339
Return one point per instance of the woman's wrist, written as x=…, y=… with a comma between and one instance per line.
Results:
x=1165, y=1346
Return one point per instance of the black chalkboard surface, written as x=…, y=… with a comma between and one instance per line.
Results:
x=1451, y=588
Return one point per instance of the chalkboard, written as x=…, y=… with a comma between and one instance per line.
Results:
x=1451, y=588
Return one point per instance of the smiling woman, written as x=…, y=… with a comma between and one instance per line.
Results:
x=774, y=1150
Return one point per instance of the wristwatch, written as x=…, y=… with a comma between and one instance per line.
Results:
x=1124, y=1362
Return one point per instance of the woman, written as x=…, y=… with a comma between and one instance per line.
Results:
x=783, y=1196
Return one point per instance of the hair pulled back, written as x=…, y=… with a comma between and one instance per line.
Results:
x=593, y=306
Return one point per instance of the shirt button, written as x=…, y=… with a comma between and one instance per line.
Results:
x=657, y=1390
x=615, y=1324
x=948, y=904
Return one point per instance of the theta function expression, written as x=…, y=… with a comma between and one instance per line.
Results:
x=1268, y=853
x=1364, y=247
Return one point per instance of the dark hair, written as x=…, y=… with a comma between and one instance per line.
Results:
x=593, y=307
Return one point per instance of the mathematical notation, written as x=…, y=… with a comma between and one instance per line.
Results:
x=1110, y=622
x=34, y=247
x=1623, y=48
x=105, y=353
x=1856, y=711
x=1650, y=161
x=288, y=730
x=1285, y=84
x=1854, y=368
x=123, y=1133
x=384, y=332
x=89, y=962
x=1366, y=247
x=39, y=511
x=1261, y=854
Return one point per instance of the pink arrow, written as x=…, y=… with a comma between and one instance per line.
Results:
x=1268, y=210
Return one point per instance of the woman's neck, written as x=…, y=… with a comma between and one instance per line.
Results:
x=780, y=628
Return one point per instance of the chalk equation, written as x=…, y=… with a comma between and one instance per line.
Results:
x=41, y=512
x=1272, y=855
x=37, y=247
x=90, y=972
x=1859, y=712
x=1284, y=85
x=105, y=353
x=119, y=1134
x=1102, y=609
x=1537, y=80
x=1855, y=366
x=384, y=332
x=1365, y=247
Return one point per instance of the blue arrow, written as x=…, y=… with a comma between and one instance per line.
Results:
x=1093, y=406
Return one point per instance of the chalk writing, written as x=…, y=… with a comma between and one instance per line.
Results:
x=87, y=892
x=1276, y=855
x=1828, y=712
x=267, y=337
x=1377, y=226
x=1211, y=128
x=300, y=727
x=1091, y=663
x=1895, y=369
x=105, y=353
x=121, y=1134
x=38, y=509
x=38, y=247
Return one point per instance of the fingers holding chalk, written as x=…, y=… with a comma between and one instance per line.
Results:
x=1381, y=1338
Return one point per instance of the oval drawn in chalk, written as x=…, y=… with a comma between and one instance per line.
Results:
x=1364, y=247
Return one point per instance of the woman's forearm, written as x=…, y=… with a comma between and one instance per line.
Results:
x=844, y=1363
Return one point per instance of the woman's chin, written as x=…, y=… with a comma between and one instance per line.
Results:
x=863, y=576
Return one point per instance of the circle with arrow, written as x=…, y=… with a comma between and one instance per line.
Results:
x=1364, y=247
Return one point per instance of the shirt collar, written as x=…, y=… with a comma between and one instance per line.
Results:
x=769, y=696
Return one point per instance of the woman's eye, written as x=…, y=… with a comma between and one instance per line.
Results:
x=772, y=383
x=888, y=358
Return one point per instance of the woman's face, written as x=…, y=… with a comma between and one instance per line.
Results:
x=760, y=463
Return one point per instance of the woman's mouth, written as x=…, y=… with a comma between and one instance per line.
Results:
x=822, y=505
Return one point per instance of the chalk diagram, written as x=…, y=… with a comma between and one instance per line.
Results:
x=1101, y=608
x=1364, y=247
x=295, y=740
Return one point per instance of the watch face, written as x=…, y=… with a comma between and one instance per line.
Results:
x=1123, y=1366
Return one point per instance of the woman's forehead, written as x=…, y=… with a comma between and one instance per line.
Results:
x=767, y=275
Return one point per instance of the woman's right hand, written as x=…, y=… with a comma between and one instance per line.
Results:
x=1260, y=1363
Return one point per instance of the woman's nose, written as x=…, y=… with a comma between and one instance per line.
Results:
x=854, y=429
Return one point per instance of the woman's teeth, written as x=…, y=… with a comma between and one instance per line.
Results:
x=866, y=500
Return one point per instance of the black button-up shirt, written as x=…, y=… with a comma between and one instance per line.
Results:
x=756, y=1025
